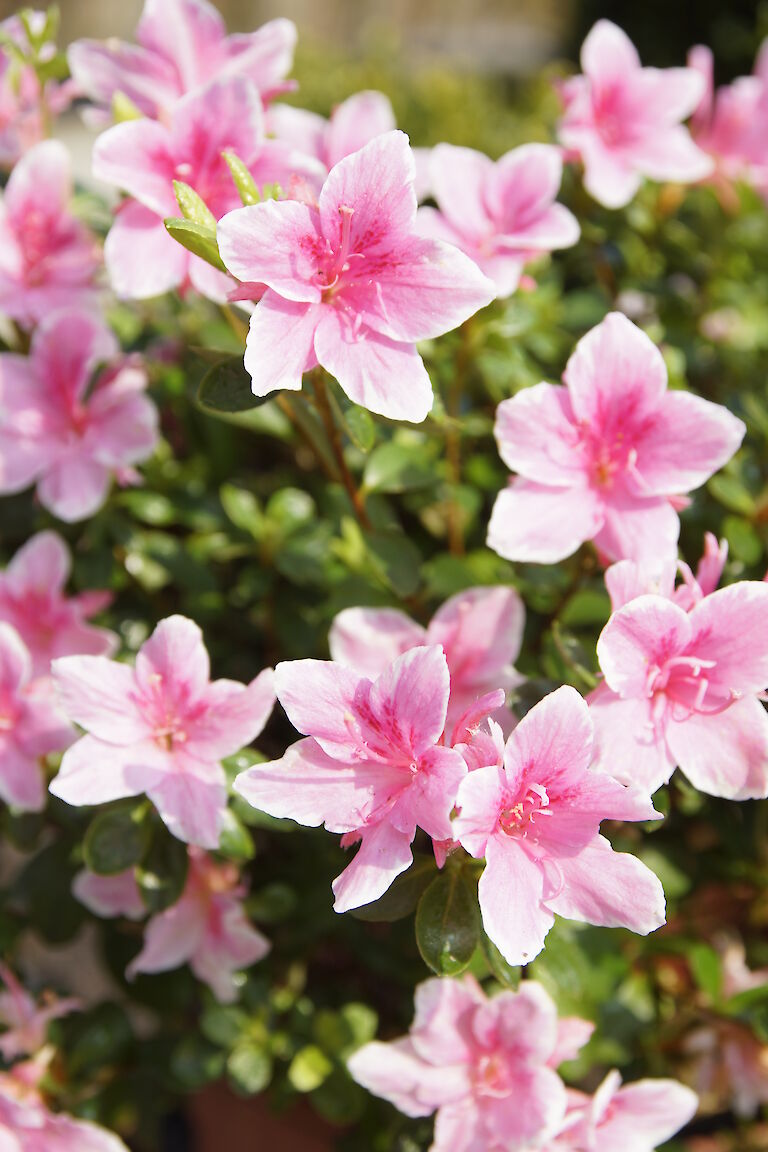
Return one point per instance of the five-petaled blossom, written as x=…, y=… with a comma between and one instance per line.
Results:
x=372, y=767
x=351, y=286
x=625, y=121
x=480, y=631
x=634, y=1117
x=31, y=725
x=206, y=928
x=536, y=817
x=48, y=259
x=182, y=44
x=606, y=458
x=682, y=685
x=33, y=601
x=161, y=727
x=65, y=430
x=24, y=1020
x=144, y=157
x=485, y=1066
x=502, y=214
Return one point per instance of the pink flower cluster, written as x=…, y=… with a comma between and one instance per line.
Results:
x=487, y=1069
x=206, y=928
x=25, y=102
x=382, y=758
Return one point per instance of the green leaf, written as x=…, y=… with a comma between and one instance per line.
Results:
x=394, y=467
x=226, y=387
x=223, y=1024
x=117, y=840
x=361, y=427
x=290, y=508
x=309, y=1068
x=197, y=239
x=448, y=924
x=161, y=876
x=235, y=841
x=506, y=974
x=242, y=508
x=193, y=207
x=731, y=493
x=402, y=896
x=395, y=559
x=243, y=180
x=706, y=968
x=249, y=1068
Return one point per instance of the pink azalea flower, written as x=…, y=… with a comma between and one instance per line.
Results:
x=206, y=928
x=31, y=725
x=161, y=727
x=63, y=430
x=350, y=284
x=501, y=214
x=26, y=1125
x=109, y=896
x=536, y=821
x=182, y=45
x=627, y=580
x=731, y=125
x=625, y=121
x=634, y=1118
x=48, y=259
x=144, y=157
x=25, y=1022
x=480, y=631
x=483, y=1065
x=606, y=458
x=50, y=623
x=681, y=688
x=353, y=124
x=372, y=769
x=25, y=104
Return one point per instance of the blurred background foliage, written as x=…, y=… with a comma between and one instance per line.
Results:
x=238, y=526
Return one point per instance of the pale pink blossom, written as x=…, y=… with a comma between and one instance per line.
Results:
x=731, y=124
x=31, y=725
x=144, y=157
x=25, y=1022
x=161, y=727
x=25, y=103
x=625, y=121
x=485, y=1066
x=372, y=768
x=480, y=630
x=606, y=458
x=48, y=259
x=536, y=821
x=109, y=896
x=682, y=687
x=351, y=286
x=502, y=214
x=633, y=1118
x=27, y=1125
x=65, y=431
x=352, y=124
x=182, y=45
x=33, y=600
x=206, y=928
x=656, y=574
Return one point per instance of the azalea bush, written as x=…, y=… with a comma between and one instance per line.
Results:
x=383, y=630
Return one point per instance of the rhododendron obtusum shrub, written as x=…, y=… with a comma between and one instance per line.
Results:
x=445, y=397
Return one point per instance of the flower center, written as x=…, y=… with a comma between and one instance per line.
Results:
x=683, y=682
x=519, y=817
x=493, y=1076
x=339, y=264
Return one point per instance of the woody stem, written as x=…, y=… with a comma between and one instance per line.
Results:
x=337, y=446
